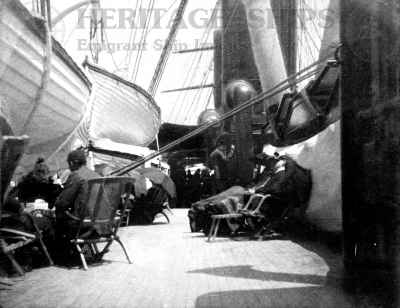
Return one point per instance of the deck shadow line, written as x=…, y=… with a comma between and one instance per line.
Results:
x=247, y=272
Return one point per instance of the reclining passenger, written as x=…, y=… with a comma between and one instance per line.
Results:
x=285, y=190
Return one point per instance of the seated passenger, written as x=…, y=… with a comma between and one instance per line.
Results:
x=289, y=186
x=73, y=197
x=38, y=184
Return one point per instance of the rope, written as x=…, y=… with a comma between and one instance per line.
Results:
x=193, y=69
x=167, y=49
x=197, y=98
x=280, y=87
x=132, y=35
x=142, y=41
x=190, y=73
x=45, y=76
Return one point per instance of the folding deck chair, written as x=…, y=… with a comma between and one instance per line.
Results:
x=12, y=149
x=154, y=203
x=106, y=197
x=251, y=209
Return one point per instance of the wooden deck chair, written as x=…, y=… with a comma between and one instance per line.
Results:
x=12, y=149
x=105, y=197
x=161, y=198
x=251, y=208
x=154, y=203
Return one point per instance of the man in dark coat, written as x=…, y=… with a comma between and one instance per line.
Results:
x=72, y=199
x=219, y=159
x=289, y=186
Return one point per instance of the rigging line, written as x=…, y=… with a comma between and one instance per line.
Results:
x=141, y=36
x=193, y=69
x=109, y=50
x=312, y=53
x=145, y=34
x=279, y=88
x=285, y=85
x=132, y=35
x=304, y=3
x=225, y=29
x=164, y=14
x=167, y=49
x=304, y=26
x=188, y=80
x=198, y=96
x=204, y=38
x=67, y=39
x=140, y=41
x=209, y=99
x=206, y=99
x=127, y=63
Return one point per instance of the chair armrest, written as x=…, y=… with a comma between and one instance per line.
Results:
x=72, y=216
x=17, y=232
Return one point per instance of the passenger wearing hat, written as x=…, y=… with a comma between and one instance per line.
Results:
x=38, y=184
x=219, y=163
x=73, y=197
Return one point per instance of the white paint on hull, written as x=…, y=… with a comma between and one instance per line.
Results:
x=121, y=112
x=65, y=98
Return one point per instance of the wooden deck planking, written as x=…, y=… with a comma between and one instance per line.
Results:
x=175, y=268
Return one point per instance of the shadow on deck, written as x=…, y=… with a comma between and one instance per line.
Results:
x=173, y=267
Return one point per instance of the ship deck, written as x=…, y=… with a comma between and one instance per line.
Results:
x=173, y=267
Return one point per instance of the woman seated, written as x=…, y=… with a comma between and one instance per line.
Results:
x=38, y=184
x=145, y=208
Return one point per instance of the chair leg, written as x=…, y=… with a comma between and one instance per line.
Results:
x=96, y=249
x=85, y=267
x=216, y=228
x=165, y=215
x=210, y=232
x=44, y=248
x=123, y=248
x=92, y=250
x=15, y=264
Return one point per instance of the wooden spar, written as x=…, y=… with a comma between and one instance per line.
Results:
x=118, y=154
x=167, y=49
x=211, y=85
x=194, y=50
x=279, y=88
